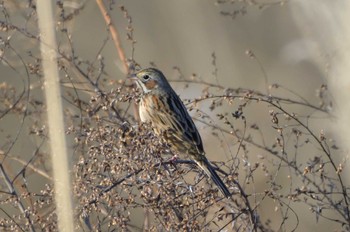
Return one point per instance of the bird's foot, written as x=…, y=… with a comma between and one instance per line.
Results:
x=173, y=159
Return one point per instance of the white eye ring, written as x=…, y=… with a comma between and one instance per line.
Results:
x=146, y=77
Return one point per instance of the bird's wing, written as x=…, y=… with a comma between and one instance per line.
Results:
x=184, y=122
x=170, y=118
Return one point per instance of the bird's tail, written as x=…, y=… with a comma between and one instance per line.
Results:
x=209, y=170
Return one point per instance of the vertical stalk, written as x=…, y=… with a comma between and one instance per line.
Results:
x=60, y=161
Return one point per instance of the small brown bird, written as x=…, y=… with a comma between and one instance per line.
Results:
x=162, y=108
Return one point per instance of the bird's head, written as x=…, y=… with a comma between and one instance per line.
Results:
x=150, y=79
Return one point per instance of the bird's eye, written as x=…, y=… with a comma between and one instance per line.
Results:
x=146, y=77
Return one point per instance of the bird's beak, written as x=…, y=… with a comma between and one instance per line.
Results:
x=133, y=77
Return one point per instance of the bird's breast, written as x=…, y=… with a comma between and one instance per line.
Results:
x=144, y=115
x=149, y=107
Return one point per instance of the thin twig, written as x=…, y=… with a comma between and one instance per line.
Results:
x=115, y=35
x=13, y=192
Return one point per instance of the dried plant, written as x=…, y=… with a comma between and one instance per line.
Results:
x=123, y=176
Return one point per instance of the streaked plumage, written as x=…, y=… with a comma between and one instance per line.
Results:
x=162, y=108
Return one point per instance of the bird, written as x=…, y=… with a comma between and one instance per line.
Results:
x=163, y=109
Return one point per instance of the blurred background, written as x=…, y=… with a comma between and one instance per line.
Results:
x=301, y=45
